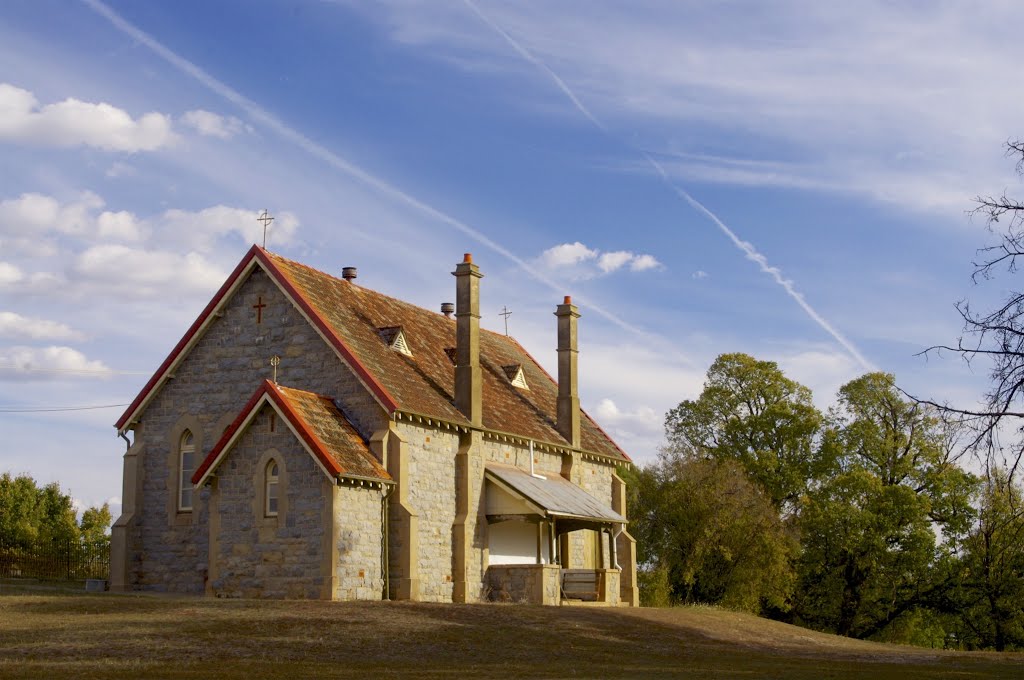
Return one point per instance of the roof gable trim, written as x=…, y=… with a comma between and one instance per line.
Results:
x=256, y=256
x=266, y=394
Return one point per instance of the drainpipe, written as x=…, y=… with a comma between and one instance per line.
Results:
x=128, y=444
x=613, y=548
x=385, y=570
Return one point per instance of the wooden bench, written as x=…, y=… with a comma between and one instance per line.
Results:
x=581, y=584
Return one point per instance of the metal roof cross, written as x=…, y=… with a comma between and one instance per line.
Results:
x=505, y=312
x=266, y=219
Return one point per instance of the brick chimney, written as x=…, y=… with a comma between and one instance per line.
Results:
x=568, y=390
x=467, y=340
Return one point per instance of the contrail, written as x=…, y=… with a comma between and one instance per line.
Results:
x=261, y=115
x=746, y=247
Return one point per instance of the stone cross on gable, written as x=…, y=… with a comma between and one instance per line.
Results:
x=275, y=361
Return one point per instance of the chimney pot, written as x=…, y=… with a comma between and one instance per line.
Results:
x=467, y=257
x=349, y=273
x=447, y=308
x=568, y=300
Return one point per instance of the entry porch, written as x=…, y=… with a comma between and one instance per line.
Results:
x=549, y=541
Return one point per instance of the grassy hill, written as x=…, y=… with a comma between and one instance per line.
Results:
x=92, y=636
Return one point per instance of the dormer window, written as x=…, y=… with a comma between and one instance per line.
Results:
x=394, y=336
x=515, y=375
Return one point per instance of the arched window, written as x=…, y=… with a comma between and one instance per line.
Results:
x=270, y=489
x=186, y=466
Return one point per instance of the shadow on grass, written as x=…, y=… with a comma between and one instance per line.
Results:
x=118, y=636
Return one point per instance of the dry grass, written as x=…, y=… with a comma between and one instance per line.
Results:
x=49, y=635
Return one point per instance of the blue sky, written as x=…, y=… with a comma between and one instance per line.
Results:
x=789, y=179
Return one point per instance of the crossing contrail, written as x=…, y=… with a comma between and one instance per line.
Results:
x=267, y=119
x=746, y=247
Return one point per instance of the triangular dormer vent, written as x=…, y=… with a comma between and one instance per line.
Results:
x=394, y=336
x=516, y=376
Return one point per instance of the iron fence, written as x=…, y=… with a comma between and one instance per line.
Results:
x=57, y=560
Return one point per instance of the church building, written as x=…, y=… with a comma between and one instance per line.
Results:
x=311, y=438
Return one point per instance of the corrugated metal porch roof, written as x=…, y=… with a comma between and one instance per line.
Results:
x=556, y=495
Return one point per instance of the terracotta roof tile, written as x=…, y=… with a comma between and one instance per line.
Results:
x=424, y=383
x=319, y=424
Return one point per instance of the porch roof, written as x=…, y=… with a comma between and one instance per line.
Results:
x=553, y=495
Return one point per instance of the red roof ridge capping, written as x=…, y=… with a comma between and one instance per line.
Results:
x=279, y=395
x=582, y=411
x=265, y=258
x=215, y=452
x=189, y=334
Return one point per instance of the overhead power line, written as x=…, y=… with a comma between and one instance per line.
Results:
x=5, y=409
x=73, y=371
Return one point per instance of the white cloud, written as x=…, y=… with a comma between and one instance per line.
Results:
x=642, y=417
x=906, y=108
x=641, y=263
x=46, y=363
x=146, y=272
x=609, y=262
x=9, y=274
x=28, y=222
x=120, y=225
x=566, y=254
x=200, y=230
x=120, y=169
x=577, y=261
x=14, y=325
x=77, y=123
x=212, y=124
x=32, y=222
x=699, y=274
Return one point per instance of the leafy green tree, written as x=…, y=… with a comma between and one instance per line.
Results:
x=870, y=553
x=991, y=596
x=710, y=535
x=94, y=529
x=752, y=414
x=31, y=515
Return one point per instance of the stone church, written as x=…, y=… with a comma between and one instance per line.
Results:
x=311, y=438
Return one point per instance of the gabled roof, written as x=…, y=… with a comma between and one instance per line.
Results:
x=350, y=318
x=316, y=421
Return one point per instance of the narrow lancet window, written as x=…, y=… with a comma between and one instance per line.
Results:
x=186, y=466
x=270, y=507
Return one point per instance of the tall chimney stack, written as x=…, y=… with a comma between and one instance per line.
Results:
x=468, y=379
x=568, y=389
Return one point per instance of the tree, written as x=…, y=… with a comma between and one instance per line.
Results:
x=996, y=337
x=752, y=414
x=991, y=595
x=711, y=536
x=869, y=549
x=31, y=515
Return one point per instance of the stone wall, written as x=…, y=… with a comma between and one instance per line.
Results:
x=431, y=477
x=526, y=583
x=357, y=524
x=168, y=550
x=270, y=557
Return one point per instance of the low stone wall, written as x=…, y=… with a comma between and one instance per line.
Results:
x=610, y=587
x=527, y=583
